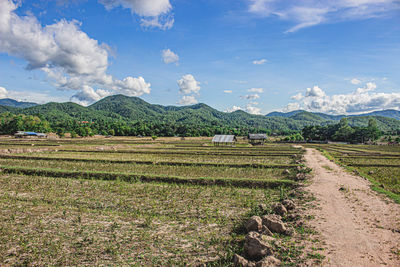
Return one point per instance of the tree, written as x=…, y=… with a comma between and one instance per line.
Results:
x=344, y=132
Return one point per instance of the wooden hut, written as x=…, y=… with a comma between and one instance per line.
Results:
x=257, y=139
x=224, y=140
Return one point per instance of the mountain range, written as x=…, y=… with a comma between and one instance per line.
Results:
x=133, y=109
x=16, y=104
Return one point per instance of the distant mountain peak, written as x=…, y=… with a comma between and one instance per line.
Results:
x=16, y=104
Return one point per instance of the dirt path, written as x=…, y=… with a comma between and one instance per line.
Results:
x=358, y=226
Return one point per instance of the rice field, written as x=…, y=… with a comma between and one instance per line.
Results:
x=175, y=203
x=380, y=164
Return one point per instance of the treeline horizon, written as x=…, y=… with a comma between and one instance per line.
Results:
x=342, y=131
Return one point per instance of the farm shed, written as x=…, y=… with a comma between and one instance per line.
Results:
x=224, y=140
x=257, y=139
x=21, y=134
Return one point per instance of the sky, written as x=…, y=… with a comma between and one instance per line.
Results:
x=336, y=57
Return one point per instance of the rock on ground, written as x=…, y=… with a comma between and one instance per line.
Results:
x=254, y=224
x=274, y=223
x=255, y=247
x=278, y=208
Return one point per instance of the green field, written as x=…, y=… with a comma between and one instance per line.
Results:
x=134, y=201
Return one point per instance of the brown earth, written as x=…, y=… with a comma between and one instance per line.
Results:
x=359, y=227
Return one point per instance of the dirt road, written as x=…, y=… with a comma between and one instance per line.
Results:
x=358, y=226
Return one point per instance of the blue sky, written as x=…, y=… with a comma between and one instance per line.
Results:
x=256, y=55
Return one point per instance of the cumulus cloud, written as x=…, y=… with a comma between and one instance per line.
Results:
x=228, y=91
x=188, y=100
x=169, y=57
x=88, y=95
x=298, y=96
x=149, y=8
x=292, y=107
x=3, y=92
x=233, y=109
x=253, y=110
x=368, y=87
x=132, y=86
x=249, y=109
x=307, y=13
x=355, y=81
x=360, y=101
x=154, y=11
x=256, y=90
x=315, y=92
x=259, y=62
x=188, y=85
x=250, y=97
x=66, y=54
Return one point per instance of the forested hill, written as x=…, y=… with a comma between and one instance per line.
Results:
x=127, y=113
x=388, y=113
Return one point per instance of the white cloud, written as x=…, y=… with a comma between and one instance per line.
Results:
x=368, y=87
x=259, y=62
x=256, y=90
x=355, y=81
x=36, y=97
x=315, y=92
x=253, y=110
x=3, y=92
x=132, y=86
x=188, y=100
x=188, y=85
x=154, y=11
x=360, y=101
x=298, y=96
x=88, y=95
x=250, y=97
x=169, y=57
x=164, y=23
x=250, y=108
x=292, y=107
x=228, y=91
x=306, y=13
x=148, y=8
x=65, y=53
x=233, y=109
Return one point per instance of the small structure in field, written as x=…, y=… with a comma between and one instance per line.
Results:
x=21, y=134
x=257, y=139
x=224, y=140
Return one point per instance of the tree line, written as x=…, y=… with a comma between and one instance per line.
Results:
x=11, y=123
x=342, y=131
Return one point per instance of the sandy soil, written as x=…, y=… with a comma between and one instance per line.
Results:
x=358, y=226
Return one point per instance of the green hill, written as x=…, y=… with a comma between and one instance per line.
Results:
x=127, y=113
